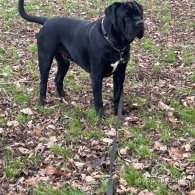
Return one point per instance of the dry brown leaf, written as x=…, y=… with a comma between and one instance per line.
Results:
x=175, y=154
x=138, y=165
x=12, y=123
x=23, y=150
x=127, y=134
x=160, y=146
x=31, y=181
x=123, y=182
x=192, y=192
x=111, y=132
x=107, y=140
x=52, y=127
x=27, y=111
x=123, y=151
x=163, y=106
x=145, y=192
x=37, y=131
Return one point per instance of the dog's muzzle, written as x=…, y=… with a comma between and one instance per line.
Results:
x=139, y=23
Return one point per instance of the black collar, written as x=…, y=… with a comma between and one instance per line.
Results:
x=121, y=51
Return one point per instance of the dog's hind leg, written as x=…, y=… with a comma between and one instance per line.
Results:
x=63, y=66
x=45, y=61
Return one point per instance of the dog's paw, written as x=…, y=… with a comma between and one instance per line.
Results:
x=100, y=113
x=61, y=92
x=42, y=101
x=124, y=112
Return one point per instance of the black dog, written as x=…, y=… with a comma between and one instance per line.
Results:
x=101, y=47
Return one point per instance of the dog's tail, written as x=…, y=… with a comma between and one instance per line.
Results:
x=36, y=19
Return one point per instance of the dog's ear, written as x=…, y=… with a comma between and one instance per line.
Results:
x=141, y=33
x=140, y=7
x=110, y=11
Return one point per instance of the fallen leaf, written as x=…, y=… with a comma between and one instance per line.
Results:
x=163, y=106
x=160, y=146
x=27, y=111
x=175, y=153
x=111, y=132
x=187, y=147
x=183, y=182
x=123, y=182
x=52, y=141
x=23, y=150
x=12, y=123
x=138, y=165
x=145, y=192
x=107, y=140
x=52, y=127
x=123, y=151
x=37, y=131
x=31, y=181
x=90, y=180
x=192, y=192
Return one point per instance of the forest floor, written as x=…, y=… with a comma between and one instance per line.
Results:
x=63, y=148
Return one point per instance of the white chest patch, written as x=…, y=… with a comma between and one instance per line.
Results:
x=115, y=65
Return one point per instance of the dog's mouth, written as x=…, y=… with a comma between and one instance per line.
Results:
x=131, y=34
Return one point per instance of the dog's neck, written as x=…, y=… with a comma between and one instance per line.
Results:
x=114, y=38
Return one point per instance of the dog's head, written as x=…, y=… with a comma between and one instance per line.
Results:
x=126, y=18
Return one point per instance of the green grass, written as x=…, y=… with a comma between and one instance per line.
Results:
x=93, y=133
x=2, y=51
x=12, y=166
x=103, y=186
x=151, y=123
x=192, y=158
x=22, y=98
x=2, y=122
x=92, y=117
x=139, y=143
x=42, y=189
x=59, y=150
x=188, y=115
x=7, y=70
x=170, y=56
x=174, y=171
x=23, y=118
x=33, y=48
x=136, y=178
x=149, y=44
x=165, y=136
x=188, y=54
x=44, y=110
x=34, y=161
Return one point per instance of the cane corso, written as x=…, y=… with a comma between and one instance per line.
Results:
x=102, y=47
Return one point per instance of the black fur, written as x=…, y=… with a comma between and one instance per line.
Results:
x=83, y=42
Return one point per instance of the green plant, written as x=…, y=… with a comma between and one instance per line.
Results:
x=23, y=118
x=2, y=121
x=43, y=189
x=22, y=98
x=103, y=185
x=93, y=134
x=174, y=171
x=188, y=114
x=33, y=48
x=59, y=150
x=170, y=56
x=13, y=164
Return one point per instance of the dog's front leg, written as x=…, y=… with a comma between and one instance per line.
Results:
x=118, y=80
x=97, y=94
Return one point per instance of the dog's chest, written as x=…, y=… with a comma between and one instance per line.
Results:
x=114, y=65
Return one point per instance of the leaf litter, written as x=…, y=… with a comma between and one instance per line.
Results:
x=28, y=132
